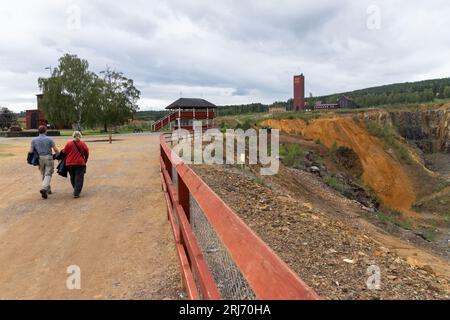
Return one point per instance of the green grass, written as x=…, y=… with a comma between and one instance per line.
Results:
x=292, y=155
x=305, y=116
x=390, y=139
x=68, y=133
x=242, y=121
x=447, y=217
x=396, y=106
x=335, y=183
x=395, y=217
x=430, y=234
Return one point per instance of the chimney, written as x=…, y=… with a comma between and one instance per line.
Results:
x=299, y=92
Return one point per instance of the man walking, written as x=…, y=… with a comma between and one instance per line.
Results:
x=44, y=146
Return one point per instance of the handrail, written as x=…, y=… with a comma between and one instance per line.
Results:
x=268, y=276
x=154, y=125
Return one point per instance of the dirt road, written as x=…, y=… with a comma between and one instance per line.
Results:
x=117, y=232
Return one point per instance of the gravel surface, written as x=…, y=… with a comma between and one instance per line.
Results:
x=117, y=232
x=328, y=253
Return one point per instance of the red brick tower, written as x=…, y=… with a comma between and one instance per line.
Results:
x=299, y=92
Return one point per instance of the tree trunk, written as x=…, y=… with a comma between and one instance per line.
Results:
x=79, y=118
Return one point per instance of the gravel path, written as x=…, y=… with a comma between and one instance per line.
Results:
x=117, y=232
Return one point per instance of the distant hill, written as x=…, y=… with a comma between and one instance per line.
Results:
x=399, y=93
x=243, y=108
x=150, y=115
x=386, y=95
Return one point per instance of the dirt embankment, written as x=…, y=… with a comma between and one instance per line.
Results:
x=381, y=171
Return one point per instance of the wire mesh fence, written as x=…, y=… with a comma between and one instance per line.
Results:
x=175, y=177
x=175, y=184
x=230, y=281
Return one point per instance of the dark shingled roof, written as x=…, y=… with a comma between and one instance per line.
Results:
x=184, y=103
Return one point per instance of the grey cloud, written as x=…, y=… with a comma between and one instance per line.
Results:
x=228, y=51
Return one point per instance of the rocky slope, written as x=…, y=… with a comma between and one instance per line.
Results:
x=321, y=236
x=383, y=172
x=427, y=128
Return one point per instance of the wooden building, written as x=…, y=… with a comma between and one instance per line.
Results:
x=277, y=109
x=34, y=119
x=185, y=111
x=346, y=103
x=343, y=103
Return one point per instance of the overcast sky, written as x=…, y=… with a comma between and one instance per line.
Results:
x=228, y=52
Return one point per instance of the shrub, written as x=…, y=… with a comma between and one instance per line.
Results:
x=429, y=234
x=335, y=183
x=292, y=155
x=246, y=125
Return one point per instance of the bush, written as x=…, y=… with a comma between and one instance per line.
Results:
x=292, y=155
x=335, y=183
x=429, y=234
x=7, y=118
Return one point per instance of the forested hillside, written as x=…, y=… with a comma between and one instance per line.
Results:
x=400, y=93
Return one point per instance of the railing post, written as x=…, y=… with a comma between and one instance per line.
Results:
x=183, y=197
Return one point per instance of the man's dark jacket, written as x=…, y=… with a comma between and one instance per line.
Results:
x=33, y=158
x=61, y=168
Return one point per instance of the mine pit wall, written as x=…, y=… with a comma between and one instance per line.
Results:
x=381, y=172
x=428, y=129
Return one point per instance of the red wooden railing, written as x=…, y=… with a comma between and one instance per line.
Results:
x=161, y=123
x=267, y=275
x=186, y=114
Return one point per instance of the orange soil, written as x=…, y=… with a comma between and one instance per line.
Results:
x=382, y=173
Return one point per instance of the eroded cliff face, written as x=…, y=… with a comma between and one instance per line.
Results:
x=428, y=129
x=381, y=171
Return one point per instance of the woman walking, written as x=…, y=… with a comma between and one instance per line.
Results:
x=77, y=155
